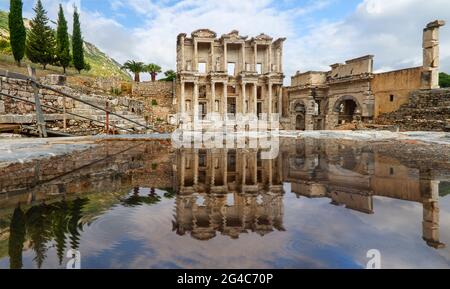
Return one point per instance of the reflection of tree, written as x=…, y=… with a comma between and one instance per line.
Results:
x=59, y=227
x=75, y=225
x=42, y=224
x=138, y=200
x=38, y=227
x=16, y=238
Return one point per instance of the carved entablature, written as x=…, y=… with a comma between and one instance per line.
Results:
x=248, y=77
x=234, y=37
x=204, y=33
x=275, y=78
x=218, y=77
x=188, y=77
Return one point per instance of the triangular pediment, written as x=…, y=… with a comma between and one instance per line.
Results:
x=204, y=33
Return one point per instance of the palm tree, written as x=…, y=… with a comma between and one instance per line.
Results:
x=170, y=75
x=134, y=67
x=153, y=69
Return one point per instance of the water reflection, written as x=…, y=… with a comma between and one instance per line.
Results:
x=210, y=195
x=39, y=225
x=348, y=176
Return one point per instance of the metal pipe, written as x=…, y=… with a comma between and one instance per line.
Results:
x=8, y=74
x=60, y=110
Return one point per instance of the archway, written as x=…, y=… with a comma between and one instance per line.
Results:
x=300, y=111
x=347, y=109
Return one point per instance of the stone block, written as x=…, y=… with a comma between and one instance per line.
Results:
x=2, y=107
x=55, y=79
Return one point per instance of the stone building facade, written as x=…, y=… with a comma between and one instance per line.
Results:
x=352, y=92
x=228, y=75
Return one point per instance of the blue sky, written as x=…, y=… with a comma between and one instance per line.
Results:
x=318, y=32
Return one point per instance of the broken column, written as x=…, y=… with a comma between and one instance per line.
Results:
x=430, y=73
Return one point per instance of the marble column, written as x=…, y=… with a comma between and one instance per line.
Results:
x=243, y=57
x=225, y=56
x=182, y=169
x=269, y=100
x=244, y=165
x=225, y=167
x=255, y=98
x=212, y=63
x=225, y=100
x=195, y=167
x=195, y=102
x=244, y=98
x=195, y=62
x=182, y=97
x=213, y=97
x=255, y=55
x=280, y=100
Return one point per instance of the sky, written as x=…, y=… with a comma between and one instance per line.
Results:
x=318, y=32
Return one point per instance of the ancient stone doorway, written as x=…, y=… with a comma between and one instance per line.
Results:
x=347, y=110
x=300, y=122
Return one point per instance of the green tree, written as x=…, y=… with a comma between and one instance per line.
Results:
x=77, y=43
x=17, y=232
x=41, y=39
x=17, y=30
x=444, y=80
x=62, y=41
x=134, y=67
x=170, y=75
x=153, y=69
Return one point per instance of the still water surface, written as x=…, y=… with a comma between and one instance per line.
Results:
x=142, y=205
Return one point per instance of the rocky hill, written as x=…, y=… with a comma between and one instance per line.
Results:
x=101, y=64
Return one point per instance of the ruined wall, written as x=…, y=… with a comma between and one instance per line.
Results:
x=357, y=66
x=309, y=78
x=425, y=110
x=158, y=98
x=13, y=111
x=392, y=89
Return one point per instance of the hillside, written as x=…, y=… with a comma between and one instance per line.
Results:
x=101, y=64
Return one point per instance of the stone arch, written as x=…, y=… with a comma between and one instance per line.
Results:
x=347, y=108
x=298, y=109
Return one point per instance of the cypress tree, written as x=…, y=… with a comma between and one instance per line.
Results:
x=17, y=30
x=41, y=39
x=62, y=41
x=77, y=43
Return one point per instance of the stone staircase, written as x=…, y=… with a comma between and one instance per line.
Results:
x=427, y=110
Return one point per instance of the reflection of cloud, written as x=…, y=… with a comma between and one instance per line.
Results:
x=319, y=235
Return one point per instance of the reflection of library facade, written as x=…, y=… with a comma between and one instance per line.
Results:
x=235, y=191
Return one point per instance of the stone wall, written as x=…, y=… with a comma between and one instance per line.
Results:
x=24, y=90
x=392, y=89
x=158, y=98
x=426, y=110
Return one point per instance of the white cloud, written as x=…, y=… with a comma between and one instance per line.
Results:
x=391, y=30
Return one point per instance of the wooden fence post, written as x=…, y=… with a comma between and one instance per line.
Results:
x=40, y=120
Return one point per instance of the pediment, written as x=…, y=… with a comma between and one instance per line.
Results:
x=204, y=33
x=234, y=35
x=264, y=37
